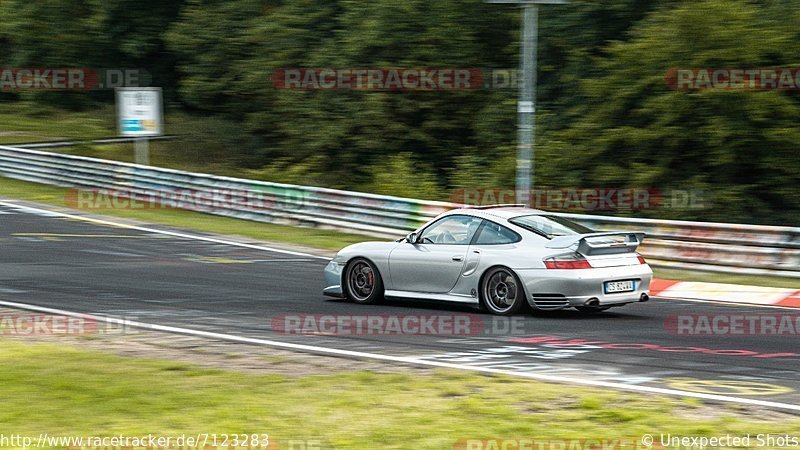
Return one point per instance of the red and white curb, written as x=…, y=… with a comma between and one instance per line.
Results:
x=727, y=293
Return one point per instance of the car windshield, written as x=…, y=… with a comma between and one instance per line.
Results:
x=550, y=226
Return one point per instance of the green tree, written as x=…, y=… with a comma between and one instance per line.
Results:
x=738, y=146
x=401, y=176
x=95, y=34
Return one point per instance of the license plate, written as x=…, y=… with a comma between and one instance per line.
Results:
x=613, y=287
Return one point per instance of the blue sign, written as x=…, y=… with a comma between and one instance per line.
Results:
x=132, y=125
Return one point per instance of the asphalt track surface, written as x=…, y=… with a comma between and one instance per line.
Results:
x=51, y=261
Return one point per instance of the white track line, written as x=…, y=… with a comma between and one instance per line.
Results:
x=405, y=360
x=164, y=232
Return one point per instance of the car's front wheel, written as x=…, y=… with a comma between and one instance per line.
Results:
x=362, y=282
x=502, y=292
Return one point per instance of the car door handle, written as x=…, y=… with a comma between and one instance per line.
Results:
x=458, y=258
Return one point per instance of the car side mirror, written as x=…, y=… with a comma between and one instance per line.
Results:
x=411, y=238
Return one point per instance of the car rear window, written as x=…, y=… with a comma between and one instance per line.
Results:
x=494, y=234
x=549, y=226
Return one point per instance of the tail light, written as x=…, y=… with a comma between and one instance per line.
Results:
x=571, y=261
x=641, y=259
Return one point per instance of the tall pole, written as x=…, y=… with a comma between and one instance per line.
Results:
x=526, y=106
x=141, y=151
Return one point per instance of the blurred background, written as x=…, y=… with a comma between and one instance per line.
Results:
x=606, y=117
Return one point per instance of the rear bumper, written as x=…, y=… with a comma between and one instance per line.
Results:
x=556, y=289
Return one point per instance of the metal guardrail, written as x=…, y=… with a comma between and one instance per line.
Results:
x=708, y=246
x=283, y=203
x=718, y=247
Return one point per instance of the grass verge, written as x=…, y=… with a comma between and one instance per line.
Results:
x=220, y=154
x=67, y=391
x=27, y=122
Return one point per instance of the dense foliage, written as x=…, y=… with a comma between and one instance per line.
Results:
x=606, y=117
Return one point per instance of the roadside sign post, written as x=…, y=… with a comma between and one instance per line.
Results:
x=526, y=105
x=140, y=115
x=141, y=151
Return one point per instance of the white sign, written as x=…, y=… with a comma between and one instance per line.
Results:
x=139, y=112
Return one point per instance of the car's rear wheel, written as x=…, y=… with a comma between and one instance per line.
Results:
x=362, y=282
x=502, y=292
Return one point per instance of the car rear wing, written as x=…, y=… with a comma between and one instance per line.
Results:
x=587, y=245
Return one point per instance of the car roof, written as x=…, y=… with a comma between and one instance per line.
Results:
x=502, y=212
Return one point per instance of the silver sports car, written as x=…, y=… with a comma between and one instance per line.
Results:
x=498, y=258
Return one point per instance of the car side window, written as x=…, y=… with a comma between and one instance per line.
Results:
x=453, y=230
x=493, y=233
